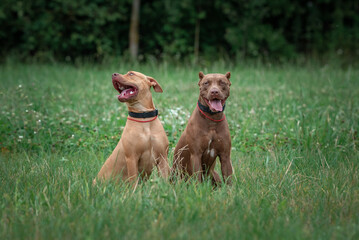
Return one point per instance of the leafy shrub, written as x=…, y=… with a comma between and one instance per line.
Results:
x=278, y=30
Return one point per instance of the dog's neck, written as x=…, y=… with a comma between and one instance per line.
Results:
x=141, y=105
x=201, y=100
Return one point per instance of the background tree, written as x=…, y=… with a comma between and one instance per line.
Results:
x=134, y=32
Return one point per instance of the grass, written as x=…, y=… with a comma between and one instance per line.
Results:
x=294, y=151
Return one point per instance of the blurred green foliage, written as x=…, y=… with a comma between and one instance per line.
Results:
x=281, y=29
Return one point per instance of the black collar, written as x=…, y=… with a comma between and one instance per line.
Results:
x=207, y=109
x=153, y=113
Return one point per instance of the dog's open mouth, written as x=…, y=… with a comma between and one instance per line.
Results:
x=216, y=105
x=126, y=91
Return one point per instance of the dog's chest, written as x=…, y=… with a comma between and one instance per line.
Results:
x=212, y=145
x=153, y=139
x=211, y=149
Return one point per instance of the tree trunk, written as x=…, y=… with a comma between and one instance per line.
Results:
x=134, y=33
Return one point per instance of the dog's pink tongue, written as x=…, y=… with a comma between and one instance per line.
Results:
x=126, y=93
x=216, y=105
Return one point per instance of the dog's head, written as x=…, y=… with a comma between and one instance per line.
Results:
x=134, y=86
x=214, y=89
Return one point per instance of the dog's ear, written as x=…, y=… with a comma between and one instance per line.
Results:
x=201, y=76
x=228, y=76
x=156, y=86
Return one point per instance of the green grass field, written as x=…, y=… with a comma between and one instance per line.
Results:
x=294, y=150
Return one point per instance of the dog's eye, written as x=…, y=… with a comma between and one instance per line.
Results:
x=131, y=74
x=206, y=83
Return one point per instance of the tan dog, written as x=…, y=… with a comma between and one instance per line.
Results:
x=144, y=143
x=207, y=134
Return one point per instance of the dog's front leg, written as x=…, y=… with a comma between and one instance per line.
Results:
x=226, y=168
x=195, y=168
x=132, y=170
x=216, y=180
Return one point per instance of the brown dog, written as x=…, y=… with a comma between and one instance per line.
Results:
x=207, y=134
x=144, y=143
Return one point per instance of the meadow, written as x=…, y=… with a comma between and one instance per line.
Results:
x=295, y=154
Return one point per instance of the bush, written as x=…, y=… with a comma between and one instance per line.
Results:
x=277, y=30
